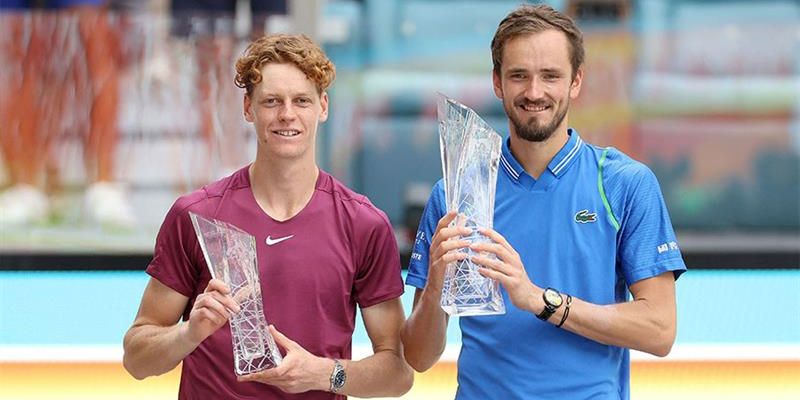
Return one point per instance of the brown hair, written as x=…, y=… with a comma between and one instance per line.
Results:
x=280, y=49
x=529, y=19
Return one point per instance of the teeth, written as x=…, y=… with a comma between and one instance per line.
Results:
x=288, y=133
x=535, y=109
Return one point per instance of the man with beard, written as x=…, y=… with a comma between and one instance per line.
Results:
x=578, y=227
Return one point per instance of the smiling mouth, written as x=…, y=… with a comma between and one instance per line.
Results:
x=287, y=133
x=534, y=108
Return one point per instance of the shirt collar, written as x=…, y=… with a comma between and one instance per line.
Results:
x=557, y=165
x=566, y=155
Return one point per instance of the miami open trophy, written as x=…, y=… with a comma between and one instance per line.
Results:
x=231, y=257
x=470, y=151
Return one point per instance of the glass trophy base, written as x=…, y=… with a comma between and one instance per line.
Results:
x=466, y=292
x=467, y=310
x=245, y=366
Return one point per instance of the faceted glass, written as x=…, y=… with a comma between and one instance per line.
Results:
x=231, y=257
x=470, y=151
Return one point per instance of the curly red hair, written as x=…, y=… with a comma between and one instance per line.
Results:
x=282, y=49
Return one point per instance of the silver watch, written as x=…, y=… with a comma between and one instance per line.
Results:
x=338, y=377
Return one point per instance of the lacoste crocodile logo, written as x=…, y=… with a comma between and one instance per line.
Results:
x=584, y=217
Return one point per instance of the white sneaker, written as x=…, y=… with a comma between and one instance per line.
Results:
x=23, y=205
x=107, y=204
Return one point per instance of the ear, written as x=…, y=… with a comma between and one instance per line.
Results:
x=497, y=83
x=248, y=112
x=575, y=86
x=323, y=101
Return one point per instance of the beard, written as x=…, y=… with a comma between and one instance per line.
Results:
x=533, y=131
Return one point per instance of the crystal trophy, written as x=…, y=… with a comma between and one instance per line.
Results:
x=231, y=257
x=470, y=151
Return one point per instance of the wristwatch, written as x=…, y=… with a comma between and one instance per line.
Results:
x=552, y=300
x=338, y=377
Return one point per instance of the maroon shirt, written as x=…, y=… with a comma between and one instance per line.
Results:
x=342, y=252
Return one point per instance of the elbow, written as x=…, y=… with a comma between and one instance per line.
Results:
x=419, y=357
x=132, y=370
x=419, y=360
x=404, y=382
x=129, y=360
x=661, y=350
x=417, y=363
x=662, y=342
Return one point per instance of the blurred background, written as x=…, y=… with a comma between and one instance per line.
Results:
x=109, y=110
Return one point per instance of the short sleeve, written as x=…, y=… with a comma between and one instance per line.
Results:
x=647, y=243
x=378, y=275
x=435, y=209
x=175, y=262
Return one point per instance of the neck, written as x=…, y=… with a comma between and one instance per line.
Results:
x=536, y=156
x=282, y=189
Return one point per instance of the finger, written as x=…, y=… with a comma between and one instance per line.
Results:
x=494, y=248
x=223, y=305
x=446, y=220
x=492, y=274
x=261, y=376
x=493, y=264
x=215, y=316
x=446, y=234
x=444, y=224
x=448, y=258
x=281, y=339
x=205, y=314
x=225, y=300
x=449, y=246
x=498, y=238
x=453, y=231
x=217, y=285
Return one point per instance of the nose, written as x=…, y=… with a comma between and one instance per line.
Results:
x=534, y=89
x=287, y=112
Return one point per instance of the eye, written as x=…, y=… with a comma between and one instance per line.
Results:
x=303, y=101
x=551, y=77
x=518, y=76
x=270, y=102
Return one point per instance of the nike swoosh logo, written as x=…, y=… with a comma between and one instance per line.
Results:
x=271, y=241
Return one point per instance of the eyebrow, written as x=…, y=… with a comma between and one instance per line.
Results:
x=297, y=94
x=550, y=70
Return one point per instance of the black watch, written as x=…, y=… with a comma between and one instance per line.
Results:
x=338, y=377
x=552, y=300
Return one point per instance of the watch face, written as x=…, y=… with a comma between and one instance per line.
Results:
x=338, y=379
x=553, y=297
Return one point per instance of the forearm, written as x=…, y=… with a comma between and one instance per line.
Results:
x=153, y=350
x=648, y=323
x=383, y=374
x=425, y=333
x=635, y=325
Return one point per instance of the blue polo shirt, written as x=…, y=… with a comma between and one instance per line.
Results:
x=593, y=224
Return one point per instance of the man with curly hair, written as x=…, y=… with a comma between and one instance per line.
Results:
x=322, y=249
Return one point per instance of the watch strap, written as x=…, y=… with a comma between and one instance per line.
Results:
x=546, y=313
